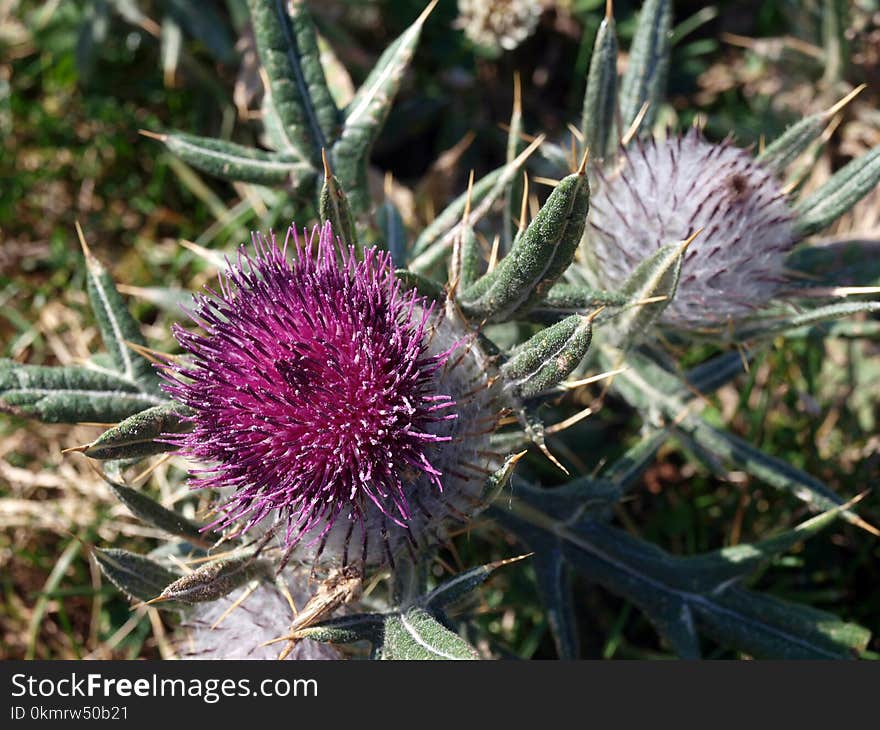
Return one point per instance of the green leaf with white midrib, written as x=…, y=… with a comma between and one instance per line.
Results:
x=840, y=193
x=137, y=435
x=135, y=575
x=236, y=162
x=795, y=140
x=645, y=77
x=817, y=316
x=118, y=328
x=320, y=98
x=71, y=394
x=415, y=635
x=656, y=278
x=547, y=357
x=539, y=256
x=661, y=586
x=291, y=95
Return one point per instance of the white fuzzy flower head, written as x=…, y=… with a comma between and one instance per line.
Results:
x=666, y=190
x=498, y=24
x=246, y=629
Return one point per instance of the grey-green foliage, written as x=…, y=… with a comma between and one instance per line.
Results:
x=550, y=310
x=416, y=630
x=150, y=512
x=107, y=389
x=600, y=99
x=135, y=575
x=539, y=256
x=300, y=114
x=845, y=188
x=549, y=356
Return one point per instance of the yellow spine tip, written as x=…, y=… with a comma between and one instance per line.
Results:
x=153, y=135
x=584, y=160
x=87, y=252
x=328, y=173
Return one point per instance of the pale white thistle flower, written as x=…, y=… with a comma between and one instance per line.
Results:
x=663, y=191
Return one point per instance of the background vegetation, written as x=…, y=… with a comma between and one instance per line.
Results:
x=78, y=80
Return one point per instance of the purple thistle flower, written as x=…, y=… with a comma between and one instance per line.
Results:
x=664, y=191
x=323, y=397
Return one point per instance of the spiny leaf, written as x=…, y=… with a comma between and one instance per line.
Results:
x=471, y=258
x=457, y=587
x=135, y=575
x=569, y=298
x=135, y=437
x=553, y=577
x=600, y=99
x=152, y=513
x=845, y=188
x=644, y=80
x=548, y=357
x=712, y=571
x=819, y=315
x=393, y=232
x=366, y=114
x=662, y=587
x=70, y=394
x=780, y=153
x=117, y=325
x=416, y=635
x=231, y=161
x=767, y=627
x=295, y=75
x=328, y=116
x=540, y=255
x=346, y=629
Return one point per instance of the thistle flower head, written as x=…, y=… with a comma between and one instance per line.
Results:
x=223, y=630
x=498, y=24
x=324, y=397
x=666, y=190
